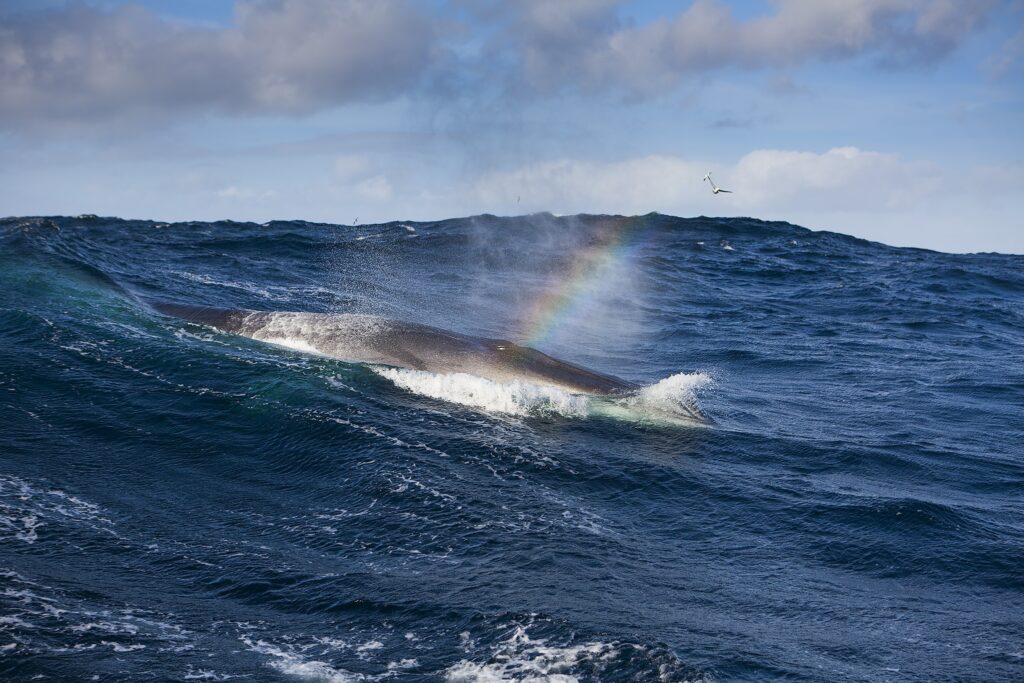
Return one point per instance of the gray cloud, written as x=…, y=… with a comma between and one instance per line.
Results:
x=77, y=64
x=599, y=52
x=287, y=56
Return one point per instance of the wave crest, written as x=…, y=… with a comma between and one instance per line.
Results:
x=675, y=394
x=672, y=400
x=513, y=398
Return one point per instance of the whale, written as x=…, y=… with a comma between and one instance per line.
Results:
x=377, y=340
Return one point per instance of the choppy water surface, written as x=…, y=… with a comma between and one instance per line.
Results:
x=178, y=503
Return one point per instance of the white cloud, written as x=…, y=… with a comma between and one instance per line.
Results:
x=244, y=193
x=348, y=167
x=879, y=196
x=570, y=186
x=843, y=178
x=376, y=189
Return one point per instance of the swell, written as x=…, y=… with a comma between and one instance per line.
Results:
x=185, y=503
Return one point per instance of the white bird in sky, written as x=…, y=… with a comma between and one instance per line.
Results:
x=714, y=188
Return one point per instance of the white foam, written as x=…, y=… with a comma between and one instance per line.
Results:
x=534, y=660
x=39, y=611
x=205, y=675
x=312, y=670
x=403, y=664
x=681, y=388
x=294, y=664
x=671, y=400
x=118, y=647
x=27, y=532
x=15, y=622
x=521, y=658
x=24, y=509
x=512, y=398
x=368, y=646
x=107, y=627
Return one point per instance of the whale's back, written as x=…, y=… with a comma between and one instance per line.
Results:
x=384, y=341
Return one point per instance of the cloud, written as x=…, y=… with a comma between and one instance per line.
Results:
x=840, y=179
x=629, y=186
x=348, y=167
x=378, y=188
x=731, y=122
x=598, y=51
x=78, y=63
x=783, y=86
x=244, y=193
x=280, y=56
x=880, y=196
x=1008, y=58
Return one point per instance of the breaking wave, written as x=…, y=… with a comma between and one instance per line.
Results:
x=673, y=399
x=513, y=398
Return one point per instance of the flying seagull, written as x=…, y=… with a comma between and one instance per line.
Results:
x=714, y=188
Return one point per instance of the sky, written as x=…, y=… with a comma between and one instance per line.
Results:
x=900, y=121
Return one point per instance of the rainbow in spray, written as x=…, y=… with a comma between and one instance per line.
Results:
x=566, y=298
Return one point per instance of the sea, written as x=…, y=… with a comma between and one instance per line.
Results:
x=179, y=503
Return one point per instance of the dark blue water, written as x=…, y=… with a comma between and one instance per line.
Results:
x=181, y=503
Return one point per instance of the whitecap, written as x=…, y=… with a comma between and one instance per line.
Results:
x=534, y=660
x=512, y=398
x=524, y=659
x=292, y=663
x=673, y=400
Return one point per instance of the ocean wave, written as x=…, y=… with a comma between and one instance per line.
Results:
x=673, y=399
x=178, y=503
x=512, y=398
